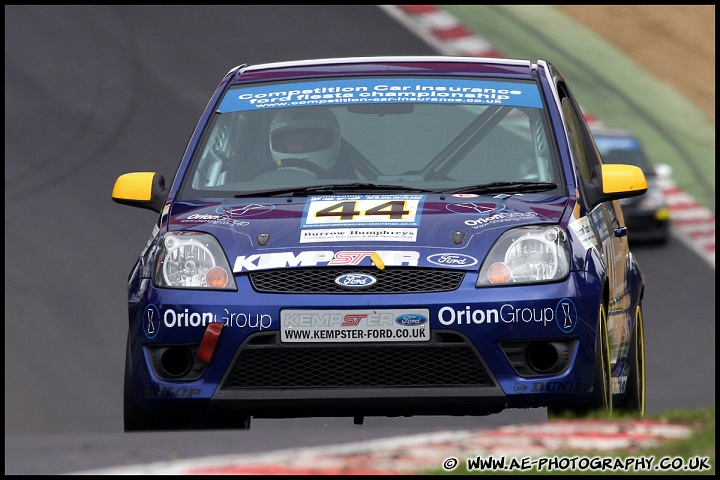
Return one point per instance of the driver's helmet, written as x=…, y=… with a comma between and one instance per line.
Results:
x=309, y=133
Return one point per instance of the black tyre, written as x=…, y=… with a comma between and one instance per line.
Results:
x=633, y=402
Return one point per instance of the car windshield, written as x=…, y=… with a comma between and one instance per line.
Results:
x=434, y=134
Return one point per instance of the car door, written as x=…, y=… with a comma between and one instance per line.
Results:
x=608, y=224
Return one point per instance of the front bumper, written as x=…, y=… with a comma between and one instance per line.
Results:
x=475, y=362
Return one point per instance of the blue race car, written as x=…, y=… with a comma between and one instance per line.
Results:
x=384, y=236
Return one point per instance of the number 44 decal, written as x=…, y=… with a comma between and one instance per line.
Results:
x=362, y=211
x=394, y=210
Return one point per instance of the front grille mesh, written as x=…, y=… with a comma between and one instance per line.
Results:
x=322, y=280
x=437, y=365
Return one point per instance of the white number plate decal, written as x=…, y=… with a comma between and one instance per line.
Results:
x=332, y=326
x=356, y=210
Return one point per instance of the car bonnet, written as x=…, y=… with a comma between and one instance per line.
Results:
x=436, y=231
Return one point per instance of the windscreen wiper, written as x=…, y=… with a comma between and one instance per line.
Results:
x=329, y=189
x=493, y=187
x=358, y=186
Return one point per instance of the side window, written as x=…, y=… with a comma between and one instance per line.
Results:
x=581, y=141
x=576, y=140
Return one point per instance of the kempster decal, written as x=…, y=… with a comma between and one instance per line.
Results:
x=262, y=261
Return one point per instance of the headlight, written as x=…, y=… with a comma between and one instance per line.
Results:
x=526, y=255
x=192, y=260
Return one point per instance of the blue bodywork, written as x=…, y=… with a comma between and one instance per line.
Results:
x=497, y=322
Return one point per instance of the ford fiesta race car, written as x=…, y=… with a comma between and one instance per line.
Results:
x=384, y=236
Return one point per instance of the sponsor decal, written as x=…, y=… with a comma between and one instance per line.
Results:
x=174, y=319
x=247, y=210
x=201, y=217
x=559, y=387
x=583, y=230
x=175, y=392
x=355, y=280
x=214, y=219
x=358, y=234
x=600, y=217
x=553, y=387
x=618, y=385
x=259, y=261
x=488, y=213
x=564, y=315
x=452, y=260
x=251, y=320
x=229, y=215
x=151, y=321
x=475, y=208
x=465, y=195
x=354, y=326
x=337, y=318
x=346, y=210
x=381, y=90
x=500, y=218
x=411, y=319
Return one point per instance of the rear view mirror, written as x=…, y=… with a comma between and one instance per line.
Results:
x=140, y=189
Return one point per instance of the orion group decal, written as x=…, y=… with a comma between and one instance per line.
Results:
x=563, y=315
x=488, y=213
x=482, y=209
x=566, y=315
x=151, y=321
x=185, y=318
x=246, y=210
x=230, y=214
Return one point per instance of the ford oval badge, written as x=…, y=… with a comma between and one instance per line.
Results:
x=355, y=280
x=411, y=319
x=452, y=259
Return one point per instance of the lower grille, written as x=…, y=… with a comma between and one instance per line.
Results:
x=322, y=280
x=449, y=360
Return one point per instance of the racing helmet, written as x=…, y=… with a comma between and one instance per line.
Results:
x=310, y=133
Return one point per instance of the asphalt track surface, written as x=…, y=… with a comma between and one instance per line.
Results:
x=93, y=92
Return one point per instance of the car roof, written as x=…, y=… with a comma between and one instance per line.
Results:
x=386, y=65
